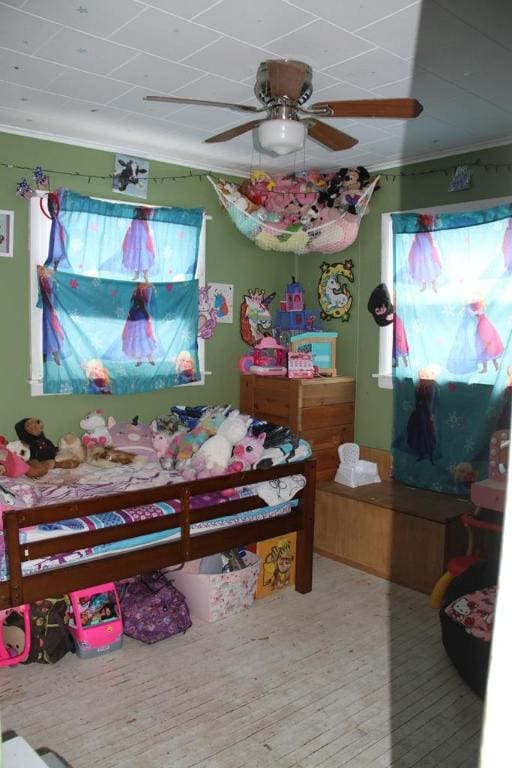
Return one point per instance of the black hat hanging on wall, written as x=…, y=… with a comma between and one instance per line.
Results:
x=380, y=305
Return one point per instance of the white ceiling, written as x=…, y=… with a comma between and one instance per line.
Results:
x=76, y=71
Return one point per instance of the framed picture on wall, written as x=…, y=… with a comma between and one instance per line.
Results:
x=6, y=233
x=222, y=295
x=131, y=176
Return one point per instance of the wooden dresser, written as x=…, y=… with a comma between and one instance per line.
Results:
x=319, y=410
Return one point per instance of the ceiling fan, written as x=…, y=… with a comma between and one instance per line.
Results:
x=283, y=86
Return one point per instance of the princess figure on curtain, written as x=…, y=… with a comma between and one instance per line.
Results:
x=424, y=262
x=489, y=345
x=98, y=378
x=400, y=343
x=476, y=342
x=185, y=368
x=422, y=427
x=53, y=335
x=138, y=245
x=139, y=340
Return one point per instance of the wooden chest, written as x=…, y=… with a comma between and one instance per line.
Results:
x=319, y=410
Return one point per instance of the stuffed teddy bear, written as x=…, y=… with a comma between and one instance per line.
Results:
x=70, y=449
x=42, y=450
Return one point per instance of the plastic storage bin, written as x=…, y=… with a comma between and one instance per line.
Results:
x=96, y=625
x=211, y=597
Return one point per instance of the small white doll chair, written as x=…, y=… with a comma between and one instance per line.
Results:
x=354, y=471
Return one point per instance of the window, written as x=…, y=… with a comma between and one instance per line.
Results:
x=385, y=378
x=452, y=342
x=81, y=275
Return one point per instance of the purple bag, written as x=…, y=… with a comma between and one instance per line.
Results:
x=153, y=609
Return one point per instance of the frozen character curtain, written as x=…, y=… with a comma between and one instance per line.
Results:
x=452, y=350
x=119, y=297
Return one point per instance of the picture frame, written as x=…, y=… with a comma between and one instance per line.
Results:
x=222, y=297
x=130, y=176
x=6, y=234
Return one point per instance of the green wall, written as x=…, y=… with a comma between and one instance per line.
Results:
x=230, y=258
x=357, y=350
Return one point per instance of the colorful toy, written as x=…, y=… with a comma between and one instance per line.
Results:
x=14, y=635
x=268, y=359
x=300, y=365
x=322, y=346
x=247, y=452
x=96, y=624
x=292, y=314
x=190, y=442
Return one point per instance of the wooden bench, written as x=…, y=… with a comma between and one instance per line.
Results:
x=403, y=534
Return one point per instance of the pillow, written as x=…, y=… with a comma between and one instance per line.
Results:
x=475, y=612
x=133, y=438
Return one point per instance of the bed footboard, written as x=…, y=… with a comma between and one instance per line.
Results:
x=26, y=588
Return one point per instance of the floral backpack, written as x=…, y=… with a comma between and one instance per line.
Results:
x=153, y=609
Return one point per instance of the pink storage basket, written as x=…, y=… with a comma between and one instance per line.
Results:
x=9, y=656
x=96, y=624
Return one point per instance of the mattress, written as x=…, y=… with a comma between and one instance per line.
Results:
x=88, y=482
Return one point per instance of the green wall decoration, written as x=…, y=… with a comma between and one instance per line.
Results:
x=230, y=257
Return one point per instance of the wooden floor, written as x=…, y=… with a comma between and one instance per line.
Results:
x=352, y=675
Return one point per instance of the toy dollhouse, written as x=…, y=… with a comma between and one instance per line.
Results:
x=292, y=316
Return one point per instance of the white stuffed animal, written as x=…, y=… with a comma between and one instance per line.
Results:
x=94, y=426
x=214, y=455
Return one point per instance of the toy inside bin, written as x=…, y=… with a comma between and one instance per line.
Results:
x=14, y=635
x=96, y=624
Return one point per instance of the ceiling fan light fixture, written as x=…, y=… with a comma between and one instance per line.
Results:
x=281, y=136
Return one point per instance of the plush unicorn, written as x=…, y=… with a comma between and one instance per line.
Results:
x=214, y=455
x=246, y=453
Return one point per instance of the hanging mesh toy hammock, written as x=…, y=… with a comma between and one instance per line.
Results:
x=324, y=230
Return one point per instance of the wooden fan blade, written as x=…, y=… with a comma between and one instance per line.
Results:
x=233, y=132
x=328, y=136
x=203, y=103
x=392, y=108
x=286, y=78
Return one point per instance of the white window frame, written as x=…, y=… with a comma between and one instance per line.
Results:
x=385, y=374
x=39, y=228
